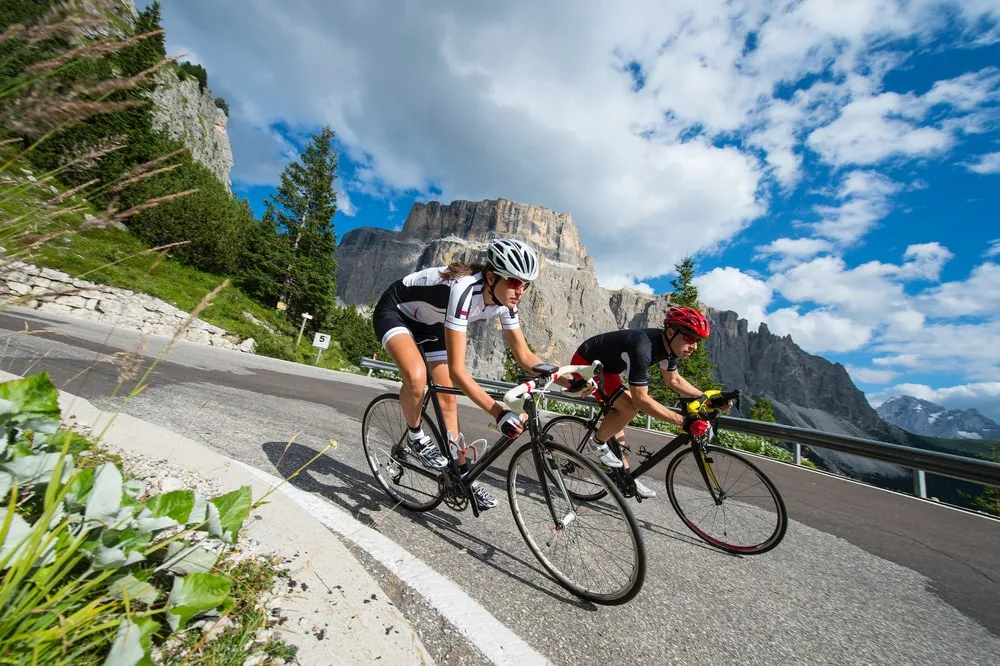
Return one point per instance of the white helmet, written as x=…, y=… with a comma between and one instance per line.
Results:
x=512, y=258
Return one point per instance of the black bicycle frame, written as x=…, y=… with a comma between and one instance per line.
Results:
x=494, y=452
x=650, y=460
x=431, y=395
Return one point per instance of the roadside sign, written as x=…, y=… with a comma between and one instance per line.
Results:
x=322, y=341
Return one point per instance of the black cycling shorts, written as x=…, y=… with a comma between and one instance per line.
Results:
x=389, y=321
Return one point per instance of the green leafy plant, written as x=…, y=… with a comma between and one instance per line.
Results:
x=87, y=567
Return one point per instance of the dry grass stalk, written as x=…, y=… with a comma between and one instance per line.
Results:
x=118, y=217
x=37, y=115
x=145, y=166
x=142, y=176
x=59, y=198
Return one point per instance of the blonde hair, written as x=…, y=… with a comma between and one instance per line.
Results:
x=458, y=269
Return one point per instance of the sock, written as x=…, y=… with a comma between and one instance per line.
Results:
x=415, y=434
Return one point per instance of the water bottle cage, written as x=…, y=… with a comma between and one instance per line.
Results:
x=470, y=451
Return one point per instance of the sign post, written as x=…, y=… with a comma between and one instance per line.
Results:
x=321, y=341
x=305, y=317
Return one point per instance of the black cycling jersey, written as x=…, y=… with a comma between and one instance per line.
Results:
x=632, y=350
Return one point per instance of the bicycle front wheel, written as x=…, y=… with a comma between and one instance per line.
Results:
x=593, y=549
x=396, y=468
x=745, y=514
x=575, y=433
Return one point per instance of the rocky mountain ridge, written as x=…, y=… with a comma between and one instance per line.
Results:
x=568, y=305
x=922, y=417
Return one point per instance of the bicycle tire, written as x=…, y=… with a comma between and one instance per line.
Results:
x=573, y=432
x=749, y=500
x=608, y=567
x=383, y=435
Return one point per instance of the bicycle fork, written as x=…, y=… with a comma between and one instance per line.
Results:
x=547, y=466
x=708, y=473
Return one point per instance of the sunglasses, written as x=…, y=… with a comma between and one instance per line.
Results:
x=690, y=339
x=514, y=283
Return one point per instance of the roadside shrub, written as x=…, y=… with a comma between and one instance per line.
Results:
x=90, y=567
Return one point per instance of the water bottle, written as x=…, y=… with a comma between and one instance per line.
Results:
x=456, y=444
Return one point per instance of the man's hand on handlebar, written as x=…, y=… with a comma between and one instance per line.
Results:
x=577, y=386
x=696, y=427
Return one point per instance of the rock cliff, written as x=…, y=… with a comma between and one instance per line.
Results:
x=182, y=111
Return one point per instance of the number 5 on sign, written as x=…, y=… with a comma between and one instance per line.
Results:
x=321, y=341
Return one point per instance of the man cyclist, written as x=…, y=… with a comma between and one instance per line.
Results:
x=632, y=351
x=434, y=306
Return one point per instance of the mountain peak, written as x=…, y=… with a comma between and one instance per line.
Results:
x=922, y=417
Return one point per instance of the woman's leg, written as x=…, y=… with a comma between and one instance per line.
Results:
x=407, y=358
x=449, y=403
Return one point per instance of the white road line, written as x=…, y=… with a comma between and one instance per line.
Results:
x=477, y=624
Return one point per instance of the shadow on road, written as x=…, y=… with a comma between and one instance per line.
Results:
x=360, y=495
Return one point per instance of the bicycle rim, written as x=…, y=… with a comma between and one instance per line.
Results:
x=574, y=432
x=751, y=517
x=396, y=468
x=597, y=553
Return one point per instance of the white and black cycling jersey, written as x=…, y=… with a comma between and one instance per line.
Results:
x=428, y=298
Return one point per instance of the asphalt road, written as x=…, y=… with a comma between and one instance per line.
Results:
x=864, y=576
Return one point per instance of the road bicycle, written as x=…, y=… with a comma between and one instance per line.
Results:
x=592, y=547
x=720, y=495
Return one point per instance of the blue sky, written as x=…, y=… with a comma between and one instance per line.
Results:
x=833, y=167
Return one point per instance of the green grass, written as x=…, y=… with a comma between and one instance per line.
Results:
x=115, y=257
x=253, y=579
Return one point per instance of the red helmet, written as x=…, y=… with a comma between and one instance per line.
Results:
x=689, y=321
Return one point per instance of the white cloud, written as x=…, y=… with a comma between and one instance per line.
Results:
x=902, y=360
x=986, y=164
x=819, y=331
x=924, y=261
x=864, y=200
x=979, y=295
x=993, y=249
x=344, y=203
x=791, y=251
x=615, y=282
x=872, y=129
x=871, y=376
x=731, y=289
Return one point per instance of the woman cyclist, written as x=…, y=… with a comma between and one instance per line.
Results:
x=632, y=351
x=435, y=306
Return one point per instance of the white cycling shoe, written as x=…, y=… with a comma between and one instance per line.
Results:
x=604, y=454
x=643, y=491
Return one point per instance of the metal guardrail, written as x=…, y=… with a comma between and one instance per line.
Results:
x=919, y=460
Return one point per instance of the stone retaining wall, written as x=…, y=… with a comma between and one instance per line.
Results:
x=53, y=291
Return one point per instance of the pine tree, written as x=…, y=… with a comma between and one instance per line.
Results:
x=685, y=293
x=697, y=368
x=762, y=410
x=301, y=213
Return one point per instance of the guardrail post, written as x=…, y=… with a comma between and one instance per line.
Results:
x=919, y=483
x=798, y=453
x=648, y=421
x=374, y=358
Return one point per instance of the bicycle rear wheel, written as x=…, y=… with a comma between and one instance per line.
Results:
x=396, y=468
x=749, y=517
x=593, y=549
x=574, y=432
